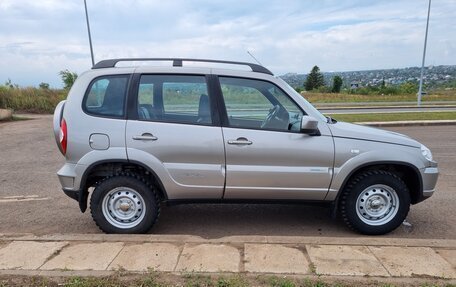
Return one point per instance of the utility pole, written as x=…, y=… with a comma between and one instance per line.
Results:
x=420, y=89
x=88, y=31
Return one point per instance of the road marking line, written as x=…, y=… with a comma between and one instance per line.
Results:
x=21, y=198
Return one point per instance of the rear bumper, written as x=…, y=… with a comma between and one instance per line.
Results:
x=74, y=194
x=70, y=178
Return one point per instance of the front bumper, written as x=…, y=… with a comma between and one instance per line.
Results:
x=429, y=176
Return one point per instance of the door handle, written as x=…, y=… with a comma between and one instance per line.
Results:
x=240, y=141
x=145, y=137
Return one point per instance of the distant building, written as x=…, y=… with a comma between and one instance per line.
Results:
x=354, y=86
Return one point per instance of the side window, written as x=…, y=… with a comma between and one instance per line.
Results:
x=146, y=109
x=180, y=99
x=286, y=102
x=259, y=104
x=106, y=96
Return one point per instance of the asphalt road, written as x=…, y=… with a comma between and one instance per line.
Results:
x=31, y=200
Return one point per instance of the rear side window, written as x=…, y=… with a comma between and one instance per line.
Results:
x=106, y=96
x=174, y=98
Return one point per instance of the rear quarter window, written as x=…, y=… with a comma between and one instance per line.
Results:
x=106, y=96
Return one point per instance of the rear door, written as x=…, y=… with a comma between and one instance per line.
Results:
x=267, y=157
x=175, y=129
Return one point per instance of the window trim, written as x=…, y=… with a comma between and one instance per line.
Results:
x=224, y=111
x=133, y=100
x=125, y=98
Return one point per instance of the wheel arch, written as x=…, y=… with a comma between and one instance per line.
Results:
x=409, y=173
x=103, y=168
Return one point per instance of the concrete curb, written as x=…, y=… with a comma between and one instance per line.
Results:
x=101, y=254
x=385, y=104
x=154, y=238
x=373, y=107
x=408, y=123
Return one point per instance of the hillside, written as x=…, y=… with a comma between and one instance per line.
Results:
x=434, y=76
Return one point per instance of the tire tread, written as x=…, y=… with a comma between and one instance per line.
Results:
x=349, y=190
x=136, y=176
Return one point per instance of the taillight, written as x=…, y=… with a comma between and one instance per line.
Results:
x=63, y=136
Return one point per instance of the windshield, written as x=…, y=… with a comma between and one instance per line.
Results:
x=309, y=107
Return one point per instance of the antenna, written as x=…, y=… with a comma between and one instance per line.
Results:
x=88, y=31
x=256, y=60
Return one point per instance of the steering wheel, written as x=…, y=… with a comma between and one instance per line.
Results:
x=272, y=114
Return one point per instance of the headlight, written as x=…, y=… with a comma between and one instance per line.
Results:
x=426, y=152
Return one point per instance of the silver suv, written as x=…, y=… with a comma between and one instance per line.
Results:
x=134, y=137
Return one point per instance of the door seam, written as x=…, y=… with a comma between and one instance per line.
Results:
x=224, y=164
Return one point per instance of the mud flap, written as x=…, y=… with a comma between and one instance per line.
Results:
x=83, y=195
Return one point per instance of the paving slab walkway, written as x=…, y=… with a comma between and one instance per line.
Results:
x=387, y=258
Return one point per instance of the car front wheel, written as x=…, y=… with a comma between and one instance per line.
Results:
x=375, y=202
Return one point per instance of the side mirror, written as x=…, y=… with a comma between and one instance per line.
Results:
x=309, y=125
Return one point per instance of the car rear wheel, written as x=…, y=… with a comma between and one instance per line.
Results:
x=375, y=202
x=124, y=204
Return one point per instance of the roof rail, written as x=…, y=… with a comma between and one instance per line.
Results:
x=177, y=62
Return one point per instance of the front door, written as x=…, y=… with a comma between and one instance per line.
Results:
x=267, y=157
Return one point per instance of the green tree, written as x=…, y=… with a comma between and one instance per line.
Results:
x=337, y=84
x=408, y=88
x=68, y=78
x=314, y=80
x=10, y=85
x=44, y=86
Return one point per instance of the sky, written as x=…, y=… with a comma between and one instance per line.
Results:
x=40, y=38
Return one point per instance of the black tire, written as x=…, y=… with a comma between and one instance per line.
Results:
x=135, y=191
x=392, y=197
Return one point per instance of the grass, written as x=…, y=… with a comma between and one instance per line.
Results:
x=440, y=95
x=30, y=100
x=154, y=279
x=387, y=117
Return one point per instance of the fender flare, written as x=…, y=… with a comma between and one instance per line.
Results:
x=83, y=193
x=335, y=202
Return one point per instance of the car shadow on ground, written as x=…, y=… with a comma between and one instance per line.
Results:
x=219, y=220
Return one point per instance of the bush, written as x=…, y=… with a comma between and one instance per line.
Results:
x=322, y=89
x=44, y=86
x=407, y=88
